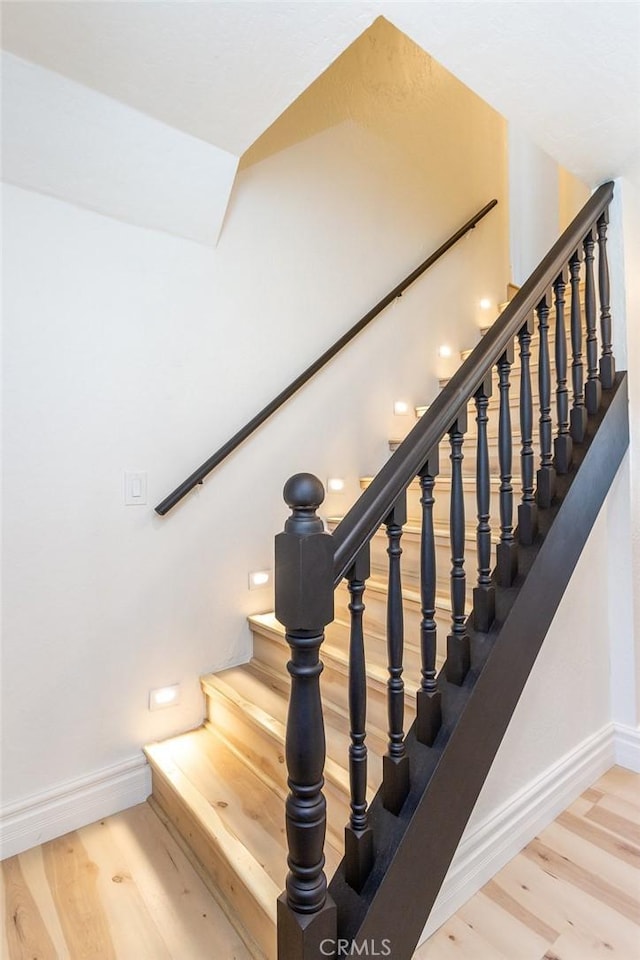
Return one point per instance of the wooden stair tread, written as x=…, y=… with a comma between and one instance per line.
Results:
x=376, y=673
x=255, y=690
x=374, y=585
x=259, y=738
x=413, y=531
x=334, y=655
x=337, y=716
x=468, y=482
x=337, y=632
x=238, y=809
x=177, y=760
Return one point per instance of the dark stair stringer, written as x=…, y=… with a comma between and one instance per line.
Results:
x=414, y=850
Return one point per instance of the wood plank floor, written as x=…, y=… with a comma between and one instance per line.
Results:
x=122, y=889
x=572, y=894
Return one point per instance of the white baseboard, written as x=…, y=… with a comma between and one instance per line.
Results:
x=72, y=805
x=482, y=852
x=627, y=745
x=491, y=844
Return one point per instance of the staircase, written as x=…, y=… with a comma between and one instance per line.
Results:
x=223, y=788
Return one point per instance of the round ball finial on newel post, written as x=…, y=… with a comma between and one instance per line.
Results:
x=304, y=494
x=304, y=606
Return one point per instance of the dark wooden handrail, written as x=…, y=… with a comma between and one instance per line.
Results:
x=374, y=505
x=243, y=434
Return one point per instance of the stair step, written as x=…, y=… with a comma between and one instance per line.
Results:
x=411, y=545
x=270, y=648
x=248, y=706
x=514, y=389
x=442, y=495
x=512, y=289
x=375, y=599
x=470, y=454
x=514, y=381
x=232, y=821
x=492, y=426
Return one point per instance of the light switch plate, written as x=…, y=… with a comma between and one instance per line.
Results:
x=135, y=489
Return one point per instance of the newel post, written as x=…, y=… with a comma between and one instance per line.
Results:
x=304, y=606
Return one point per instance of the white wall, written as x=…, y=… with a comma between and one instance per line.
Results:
x=533, y=203
x=567, y=696
x=625, y=223
x=65, y=140
x=561, y=737
x=127, y=349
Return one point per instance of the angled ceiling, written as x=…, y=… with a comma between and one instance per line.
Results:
x=218, y=71
x=567, y=72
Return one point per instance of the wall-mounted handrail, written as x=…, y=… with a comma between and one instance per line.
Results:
x=370, y=510
x=245, y=432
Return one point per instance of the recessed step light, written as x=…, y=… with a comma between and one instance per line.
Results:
x=445, y=350
x=335, y=484
x=163, y=697
x=401, y=408
x=259, y=578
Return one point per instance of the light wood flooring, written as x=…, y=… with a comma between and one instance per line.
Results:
x=121, y=889
x=572, y=894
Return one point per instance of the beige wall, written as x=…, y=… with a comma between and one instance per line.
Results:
x=572, y=196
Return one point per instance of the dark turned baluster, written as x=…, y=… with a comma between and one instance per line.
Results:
x=563, y=444
x=458, y=647
x=546, y=477
x=527, y=509
x=428, y=698
x=484, y=595
x=592, y=389
x=578, y=411
x=304, y=605
x=395, y=764
x=358, y=835
x=507, y=550
x=607, y=361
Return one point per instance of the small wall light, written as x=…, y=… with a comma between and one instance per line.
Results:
x=164, y=697
x=335, y=484
x=259, y=578
x=445, y=350
x=485, y=303
x=401, y=408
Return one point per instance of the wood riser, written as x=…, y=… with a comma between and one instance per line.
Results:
x=375, y=599
x=411, y=548
x=442, y=496
x=470, y=456
x=257, y=928
x=261, y=742
x=335, y=676
x=493, y=411
x=264, y=751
